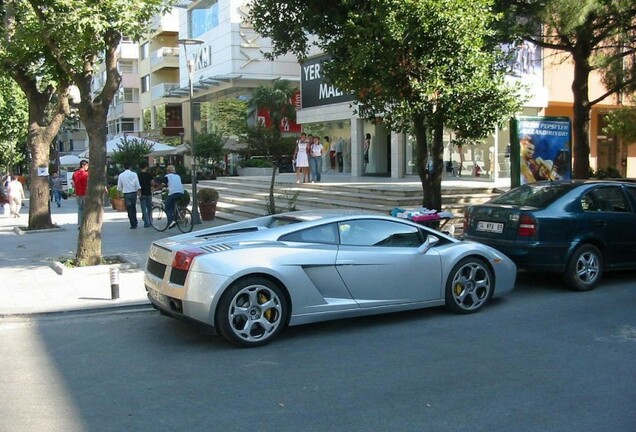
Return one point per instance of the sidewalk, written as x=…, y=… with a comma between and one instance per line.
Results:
x=29, y=285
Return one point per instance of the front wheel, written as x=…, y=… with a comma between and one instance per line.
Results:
x=252, y=312
x=159, y=218
x=470, y=286
x=584, y=268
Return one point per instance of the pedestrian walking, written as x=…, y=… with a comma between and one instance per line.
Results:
x=16, y=195
x=56, y=188
x=301, y=158
x=315, y=159
x=79, y=180
x=128, y=184
x=145, y=197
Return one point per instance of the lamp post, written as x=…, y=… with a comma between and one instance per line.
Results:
x=196, y=218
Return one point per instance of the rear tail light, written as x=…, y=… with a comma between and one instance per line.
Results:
x=183, y=259
x=527, y=226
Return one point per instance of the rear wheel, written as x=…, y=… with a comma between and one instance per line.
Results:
x=183, y=218
x=252, y=312
x=470, y=286
x=584, y=269
x=159, y=218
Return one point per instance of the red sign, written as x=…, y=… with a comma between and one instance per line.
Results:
x=286, y=125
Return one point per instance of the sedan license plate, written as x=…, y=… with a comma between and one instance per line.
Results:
x=492, y=227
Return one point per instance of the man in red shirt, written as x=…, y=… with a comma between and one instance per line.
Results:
x=80, y=184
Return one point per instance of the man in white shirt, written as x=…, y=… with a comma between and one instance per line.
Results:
x=16, y=195
x=128, y=184
x=175, y=192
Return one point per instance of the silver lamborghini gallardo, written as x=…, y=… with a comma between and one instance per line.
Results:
x=250, y=279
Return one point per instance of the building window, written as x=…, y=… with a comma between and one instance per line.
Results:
x=131, y=95
x=145, y=83
x=127, y=66
x=144, y=51
x=204, y=17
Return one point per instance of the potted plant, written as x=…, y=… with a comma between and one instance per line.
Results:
x=116, y=199
x=207, y=198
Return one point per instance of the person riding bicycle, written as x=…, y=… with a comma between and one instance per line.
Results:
x=175, y=192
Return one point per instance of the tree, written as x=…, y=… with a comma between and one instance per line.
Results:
x=24, y=58
x=227, y=117
x=267, y=140
x=14, y=117
x=80, y=35
x=596, y=35
x=417, y=65
x=209, y=150
x=622, y=122
x=132, y=151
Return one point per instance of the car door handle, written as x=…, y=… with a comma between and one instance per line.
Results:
x=600, y=223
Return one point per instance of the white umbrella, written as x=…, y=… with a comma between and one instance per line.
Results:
x=157, y=148
x=69, y=160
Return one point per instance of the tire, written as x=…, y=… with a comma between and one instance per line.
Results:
x=159, y=218
x=470, y=286
x=252, y=312
x=584, y=269
x=184, y=220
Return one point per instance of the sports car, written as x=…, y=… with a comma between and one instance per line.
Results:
x=248, y=280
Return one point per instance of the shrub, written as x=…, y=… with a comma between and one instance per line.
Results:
x=114, y=193
x=207, y=195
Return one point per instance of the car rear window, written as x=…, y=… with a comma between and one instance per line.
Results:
x=533, y=195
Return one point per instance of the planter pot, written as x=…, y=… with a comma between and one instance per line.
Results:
x=207, y=211
x=118, y=204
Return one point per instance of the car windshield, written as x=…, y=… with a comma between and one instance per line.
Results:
x=533, y=195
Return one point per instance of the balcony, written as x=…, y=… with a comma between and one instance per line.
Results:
x=163, y=91
x=165, y=57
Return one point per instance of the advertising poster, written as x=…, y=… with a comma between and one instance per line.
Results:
x=540, y=149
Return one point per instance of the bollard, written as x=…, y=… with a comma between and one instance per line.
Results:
x=114, y=283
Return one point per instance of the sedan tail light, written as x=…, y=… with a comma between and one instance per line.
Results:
x=183, y=259
x=527, y=226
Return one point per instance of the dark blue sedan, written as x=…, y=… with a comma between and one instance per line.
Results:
x=580, y=228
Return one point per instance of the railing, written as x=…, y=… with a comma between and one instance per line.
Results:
x=163, y=54
x=162, y=90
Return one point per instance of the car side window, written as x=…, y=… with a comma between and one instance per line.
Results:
x=320, y=234
x=378, y=233
x=609, y=199
x=632, y=192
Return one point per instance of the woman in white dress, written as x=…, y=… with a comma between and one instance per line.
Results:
x=301, y=158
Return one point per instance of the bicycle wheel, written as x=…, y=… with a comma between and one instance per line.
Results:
x=159, y=218
x=183, y=218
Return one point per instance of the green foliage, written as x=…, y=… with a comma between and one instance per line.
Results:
x=276, y=99
x=622, y=122
x=207, y=195
x=14, y=121
x=227, y=117
x=209, y=149
x=113, y=193
x=603, y=173
x=258, y=163
x=132, y=151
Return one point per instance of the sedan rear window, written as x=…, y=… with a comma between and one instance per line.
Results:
x=533, y=195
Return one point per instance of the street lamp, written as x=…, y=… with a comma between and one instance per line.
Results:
x=196, y=218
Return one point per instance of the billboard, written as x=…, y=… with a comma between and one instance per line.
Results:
x=316, y=91
x=540, y=149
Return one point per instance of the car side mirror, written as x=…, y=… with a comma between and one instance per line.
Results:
x=430, y=241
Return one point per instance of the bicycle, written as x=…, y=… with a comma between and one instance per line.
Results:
x=182, y=217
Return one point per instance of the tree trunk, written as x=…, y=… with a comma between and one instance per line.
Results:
x=581, y=117
x=422, y=156
x=42, y=131
x=89, y=240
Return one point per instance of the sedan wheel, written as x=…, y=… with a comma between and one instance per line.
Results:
x=252, y=312
x=469, y=286
x=584, y=269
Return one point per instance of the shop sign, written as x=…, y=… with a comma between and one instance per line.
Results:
x=316, y=91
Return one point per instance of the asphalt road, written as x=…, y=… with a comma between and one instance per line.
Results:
x=541, y=359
